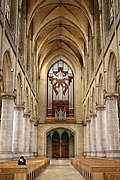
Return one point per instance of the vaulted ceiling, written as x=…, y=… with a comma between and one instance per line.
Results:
x=60, y=27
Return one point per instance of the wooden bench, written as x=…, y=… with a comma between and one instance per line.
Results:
x=97, y=169
x=10, y=170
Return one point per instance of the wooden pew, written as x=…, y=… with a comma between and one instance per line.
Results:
x=97, y=169
x=10, y=170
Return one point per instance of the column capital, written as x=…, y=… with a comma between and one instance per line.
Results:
x=8, y=95
x=27, y=115
x=111, y=96
x=93, y=115
x=100, y=107
x=88, y=120
x=32, y=120
x=19, y=107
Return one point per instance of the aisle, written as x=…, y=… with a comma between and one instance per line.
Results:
x=60, y=170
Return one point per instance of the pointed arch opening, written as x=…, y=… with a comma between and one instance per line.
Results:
x=112, y=74
x=60, y=103
x=60, y=143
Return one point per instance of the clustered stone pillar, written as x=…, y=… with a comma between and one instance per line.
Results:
x=31, y=136
x=35, y=139
x=112, y=125
x=7, y=113
x=17, y=130
x=101, y=130
x=26, y=133
x=93, y=134
x=88, y=138
x=85, y=138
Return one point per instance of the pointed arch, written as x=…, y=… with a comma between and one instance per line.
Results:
x=112, y=74
x=7, y=76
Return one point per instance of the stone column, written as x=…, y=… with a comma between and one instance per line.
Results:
x=85, y=138
x=93, y=134
x=31, y=137
x=88, y=138
x=101, y=131
x=113, y=146
x=26, y=133
x=17, y=131
x=35, y=139
x=7, y=113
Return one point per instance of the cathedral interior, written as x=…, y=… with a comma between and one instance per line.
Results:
x=59, y=78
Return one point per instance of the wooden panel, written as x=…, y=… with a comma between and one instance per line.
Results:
x=112, y=176
x=55, y=145
x=65, y=145
x=6, y=177
x=65, y=150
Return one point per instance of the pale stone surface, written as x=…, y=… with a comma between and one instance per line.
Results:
x=60, y=170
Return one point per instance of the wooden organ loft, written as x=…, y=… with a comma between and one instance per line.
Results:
x=60, y=94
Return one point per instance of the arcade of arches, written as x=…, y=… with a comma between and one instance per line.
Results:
x=59, y=78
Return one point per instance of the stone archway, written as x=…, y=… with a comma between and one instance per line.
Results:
x=60, y=143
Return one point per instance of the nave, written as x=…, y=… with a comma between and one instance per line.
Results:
x=60, y=170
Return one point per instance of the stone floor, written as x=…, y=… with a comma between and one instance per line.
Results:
x=60, y=170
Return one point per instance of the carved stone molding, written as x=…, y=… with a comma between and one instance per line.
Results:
x=8, y=95
x=93, y=115
x=27, y=115
x=32, y=120
x=88, y=120
x=100, y=107
x=19, y=107
x=111, y=96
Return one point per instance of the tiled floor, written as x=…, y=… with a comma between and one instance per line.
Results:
x=60, y=170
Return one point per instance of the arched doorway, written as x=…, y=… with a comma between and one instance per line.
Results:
x=60, y=143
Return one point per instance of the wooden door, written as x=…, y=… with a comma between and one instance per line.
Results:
x=55, y=145
x=65, y=145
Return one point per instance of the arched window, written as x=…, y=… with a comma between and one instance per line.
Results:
x=7, y=76
x=60, y=91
